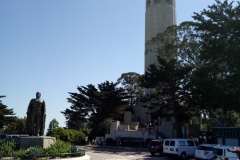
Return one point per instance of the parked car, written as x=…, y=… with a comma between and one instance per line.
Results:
x=222, y=152
x=155, y=146
x=13, y=136
x=204, y=151
x=3, y=136
x=179, y=148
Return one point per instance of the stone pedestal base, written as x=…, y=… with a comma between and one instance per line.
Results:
x=33, y=141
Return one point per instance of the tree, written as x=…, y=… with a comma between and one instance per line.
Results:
x=67, y=135
x=6, y=115
x=218, y=82
x=169, y=79
x=166, y=99
x=53, y=124
x=105, y=125
x=92, y=106
x=17, y=126
x=210, y=47
x=220, y=118
x=131, y=83
x=177, y=42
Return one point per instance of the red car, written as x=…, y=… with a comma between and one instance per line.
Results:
x=155, y=146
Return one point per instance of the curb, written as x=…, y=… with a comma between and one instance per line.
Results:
x=115, y=147
x=86, y=157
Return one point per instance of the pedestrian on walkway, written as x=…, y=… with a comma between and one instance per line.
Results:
x=101, y=142
x=93, y=141
x=86, y=140
x=118, y=141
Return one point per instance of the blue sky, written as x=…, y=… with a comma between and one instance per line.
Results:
x=53, y=46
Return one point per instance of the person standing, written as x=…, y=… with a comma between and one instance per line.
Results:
x=155, y=123
x=118, y=141
x=36, y=116
x=101, y=143
x=86, y=140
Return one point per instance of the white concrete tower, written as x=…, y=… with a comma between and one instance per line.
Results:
x=159, y=15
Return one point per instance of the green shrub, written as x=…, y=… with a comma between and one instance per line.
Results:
x=19, y=152
x=75, y=137
x=109, y=141
x=60, y=134
x=75, y=150
x=85, y=131
x=58, y=147
x=67, y=135
x=7, y=146
x=80, y=138
x=33, y=151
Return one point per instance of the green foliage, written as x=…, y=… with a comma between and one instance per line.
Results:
x=59, y=133
x=36, y=151
x=7, y=146
x=109, y=141
x=85, y=131
x=19, y=152
x=58, y=147
x=209, y=49
x=221, y=118
x=105, y=125
x=168, y=97
x=208, y=124
x=216, y=83
x=53, y=124
x=131, y=83
x=6, y=116
x=92, y=106
x=17, y=126
x=75, y=150
x=68, y=135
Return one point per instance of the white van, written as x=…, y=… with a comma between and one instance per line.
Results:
x=222, y=152
x=179, y=147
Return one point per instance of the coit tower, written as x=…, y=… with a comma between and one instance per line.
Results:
x=159, y=15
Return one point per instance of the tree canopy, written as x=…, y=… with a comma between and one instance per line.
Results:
x=131, y=83
x=166, y=95
x=92, y=106
x=6, y=117
x=208, y=49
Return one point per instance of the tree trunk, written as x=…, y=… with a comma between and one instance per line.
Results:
x=178, y=126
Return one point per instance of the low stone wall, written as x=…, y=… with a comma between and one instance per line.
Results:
x=123, y=127
x=32, y=141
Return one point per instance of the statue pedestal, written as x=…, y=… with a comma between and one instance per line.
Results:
x=33, y=141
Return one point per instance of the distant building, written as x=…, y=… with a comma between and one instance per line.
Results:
x=227, y=135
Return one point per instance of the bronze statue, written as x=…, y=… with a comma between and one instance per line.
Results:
x=36, y=116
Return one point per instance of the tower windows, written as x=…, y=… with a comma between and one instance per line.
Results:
x=169, y=1
x=157, y=1
x=147, y=3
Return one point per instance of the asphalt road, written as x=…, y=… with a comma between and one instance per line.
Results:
x=119, y=153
